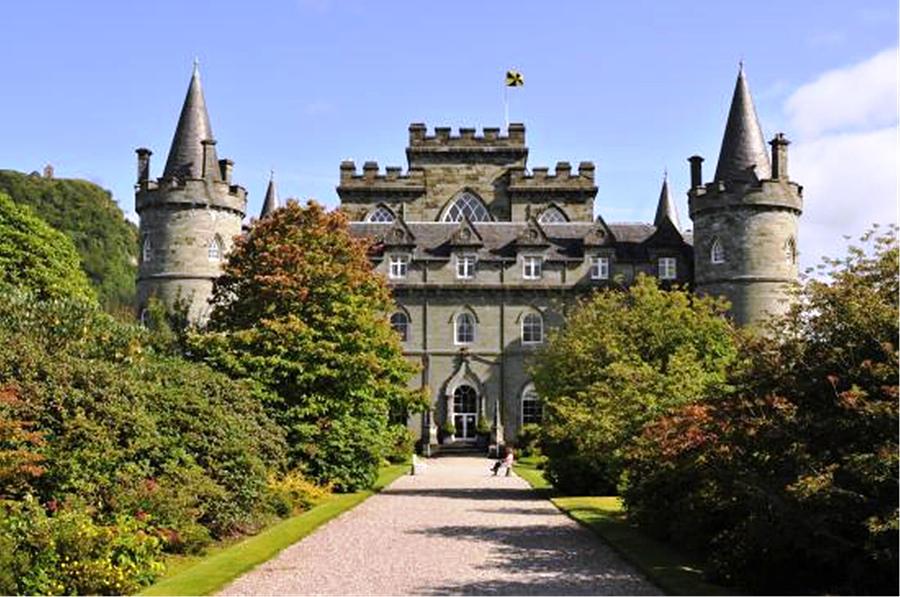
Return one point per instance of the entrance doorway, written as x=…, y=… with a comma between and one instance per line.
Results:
x=465, y=412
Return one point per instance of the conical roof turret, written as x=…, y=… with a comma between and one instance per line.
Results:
x=743, y=146
x=186, y=156
x=665, y=209
x=270, y=203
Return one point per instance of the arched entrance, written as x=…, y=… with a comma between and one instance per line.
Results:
x=465, y=412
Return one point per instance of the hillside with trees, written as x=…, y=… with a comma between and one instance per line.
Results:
x=106, y=242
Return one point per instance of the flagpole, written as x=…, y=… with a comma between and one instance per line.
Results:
x=506, y=105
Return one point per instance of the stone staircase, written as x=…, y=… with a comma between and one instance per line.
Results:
x=460, y=449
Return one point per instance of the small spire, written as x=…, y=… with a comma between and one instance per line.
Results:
x=187, y=152
x=665, y=209
x=270, y=203
x=743, y=152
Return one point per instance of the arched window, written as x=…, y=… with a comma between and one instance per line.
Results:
x=531, y=406
x=214, y=251
x=532, y=328
x=145, y=317
x=467, y=205
x=717, y=252
x=790, y=250
x=400, y=323
x=465, y=400
x=464, y=329
x=146, y=249
x=381, y=215
x=553, y=215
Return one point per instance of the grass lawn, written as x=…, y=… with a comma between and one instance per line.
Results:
x=674, y=572
x=222, y=563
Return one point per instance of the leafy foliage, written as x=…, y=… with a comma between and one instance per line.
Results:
x=36, y=257
x=624, y=358
x=796, y=472
x=106, y=242
x=299, y=310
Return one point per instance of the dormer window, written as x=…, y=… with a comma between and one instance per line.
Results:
x=465, y=267
x=532, y=267
x=599, y=268
x=717, y=252
x=667, y=268
x=469, y=206
x=381, y=215
x=553, y=215
x=398, y=266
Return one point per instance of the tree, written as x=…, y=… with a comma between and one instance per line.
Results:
x=625, y=357
x=107, y=243
x=299, y=309
x=796, y=471
x=36, y=257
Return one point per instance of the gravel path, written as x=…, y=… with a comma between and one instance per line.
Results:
x=453, y=530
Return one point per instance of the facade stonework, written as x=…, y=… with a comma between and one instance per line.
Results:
x=485, y=256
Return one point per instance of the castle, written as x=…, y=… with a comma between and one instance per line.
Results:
x=483, y=255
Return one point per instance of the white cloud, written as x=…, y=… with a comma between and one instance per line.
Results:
x=861, y=96
x=846, y=153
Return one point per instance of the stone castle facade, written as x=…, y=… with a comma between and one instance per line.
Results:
x=483, y=255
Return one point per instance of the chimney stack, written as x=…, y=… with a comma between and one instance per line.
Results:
x=143, y=164
x=779, y=157
x=696, y=171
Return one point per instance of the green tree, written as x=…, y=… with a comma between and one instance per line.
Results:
x=36, y=257
x=299, y=309
x=794, y=473
x=106, y=242
x=625, y=357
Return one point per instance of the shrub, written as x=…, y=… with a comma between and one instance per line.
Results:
x=68, y=553
x=401, y=443
x=292, y=493
x=527, y=440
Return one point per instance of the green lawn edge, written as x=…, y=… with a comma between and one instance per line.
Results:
x=212, y=573
x=670, y=570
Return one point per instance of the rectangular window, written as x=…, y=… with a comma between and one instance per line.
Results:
x=399, y=265
x=599, y=268
x=667, y=269
x=465, y=267
x=532, y=267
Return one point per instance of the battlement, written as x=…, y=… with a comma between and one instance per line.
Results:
x=393, y=178
x=768, y=193
x=190, y=192
x=443, y=138
x=562, y=179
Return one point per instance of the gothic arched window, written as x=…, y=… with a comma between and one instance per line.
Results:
x=553, y=215
x=381, y=215
x=464, y=332
x=467, y=205
x=532, y=328
x=214, y=251
x=717, y=252
x=400, y=324
x=146, y=249
x=531, y=406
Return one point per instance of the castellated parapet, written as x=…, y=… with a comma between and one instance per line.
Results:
x=490, y=147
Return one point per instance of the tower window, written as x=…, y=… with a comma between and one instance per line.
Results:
x=467, y=205
x=531, y=406
x=553, y=215
x=214, y=251
x=532, y=267
x=400, y=324
x=599, y=268
x=790, y=250
x=381, y=215
x=465, y=329
x=667, y=268
x=717, y=252
x=465, y=267
x=146, y=249
x=532, y=329
x=399, y=266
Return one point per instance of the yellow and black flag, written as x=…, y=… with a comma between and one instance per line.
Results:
x=514, y=78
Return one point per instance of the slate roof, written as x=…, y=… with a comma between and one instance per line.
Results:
x=270, y=203
x=432, y=240
x=186, y=153
x=743, y=145
x=666, y=207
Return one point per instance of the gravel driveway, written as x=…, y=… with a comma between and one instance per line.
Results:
x=453, y=530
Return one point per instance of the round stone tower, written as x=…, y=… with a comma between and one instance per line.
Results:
x=189, y=216
x=745, y=220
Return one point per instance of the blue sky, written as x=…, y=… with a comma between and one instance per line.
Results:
x=298, y=86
